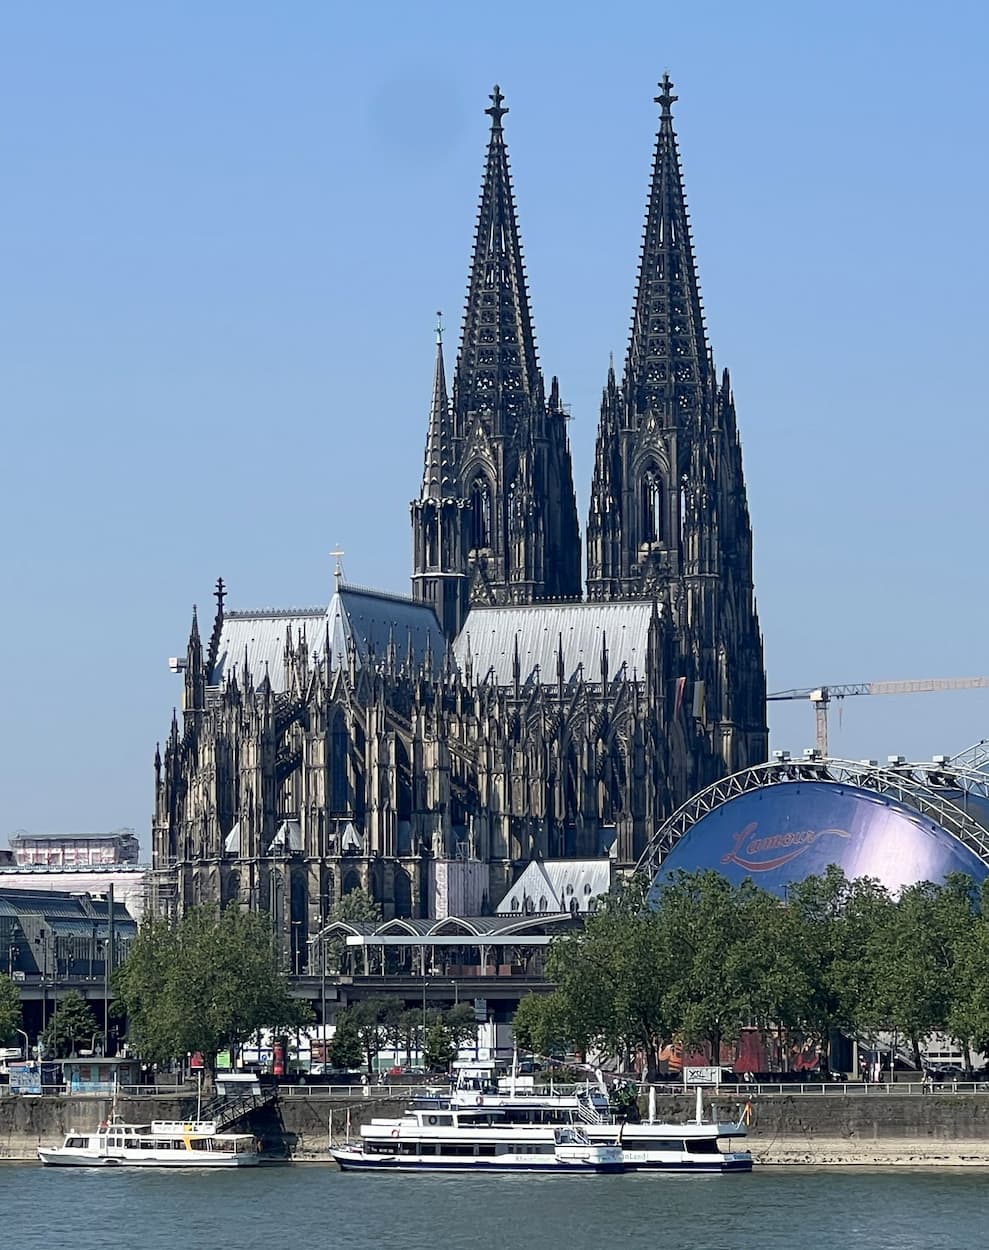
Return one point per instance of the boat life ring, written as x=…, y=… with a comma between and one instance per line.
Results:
x=103, y=1126
x=431, y=1119
x=479, y=1100
x=394, y=1132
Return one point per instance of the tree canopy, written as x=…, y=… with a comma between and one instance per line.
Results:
x=71, y=1023
x=205, y=985
x=376, y=1023
x=705, y=958
x=10, y=1008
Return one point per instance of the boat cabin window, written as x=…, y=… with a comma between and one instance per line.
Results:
x=77, y=1143
x=659, y=1143
x=703, y=1146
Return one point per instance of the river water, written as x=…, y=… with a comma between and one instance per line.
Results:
x=312, y=1207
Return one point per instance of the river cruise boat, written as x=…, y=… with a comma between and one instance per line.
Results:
x=438, y=1140
x=695, y=1146
x=160, y=1144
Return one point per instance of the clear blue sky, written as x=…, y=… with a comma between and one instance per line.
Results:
x=225, y=229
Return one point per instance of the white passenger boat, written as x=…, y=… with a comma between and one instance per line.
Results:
x=694, y=1146
x=445, y=1140
x=162, y=1143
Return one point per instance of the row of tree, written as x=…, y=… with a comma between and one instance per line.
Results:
x=384, y=1023
x=707, y=958
x=213, y=980
x=70, y=1026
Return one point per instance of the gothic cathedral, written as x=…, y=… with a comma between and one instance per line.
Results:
x=428, y=748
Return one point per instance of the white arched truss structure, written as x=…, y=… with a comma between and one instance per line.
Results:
x=930, y=788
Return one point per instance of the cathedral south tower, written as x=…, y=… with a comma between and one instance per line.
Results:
x=668, y=515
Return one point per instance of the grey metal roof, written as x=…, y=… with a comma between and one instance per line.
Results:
x=557, y=885
x=372, y=619
x=369, y=619
x=489, y=637
x=259, y=637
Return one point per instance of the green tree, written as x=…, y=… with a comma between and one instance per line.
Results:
x=913, y=955
x=540, y=1023
x=10, y=1008
x=205, y=985
x=440, y=1049
x=968, y=1013
x=461, y=1024
x=357, y=907
x=346, y=1049
x=611, y=979
x=374, y=1018
x=716, y=984
x=828, y=946
x=72, y=1022
x=408, y=1032
x=855, y=974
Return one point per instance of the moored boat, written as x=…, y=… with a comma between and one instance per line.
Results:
x=162, y=1143
x=693, y=1146
x=474, y=1141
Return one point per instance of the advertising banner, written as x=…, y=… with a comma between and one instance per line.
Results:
x=783, y=833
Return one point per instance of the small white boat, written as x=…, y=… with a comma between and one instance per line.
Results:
x=162, y=1143
x=473, y=1141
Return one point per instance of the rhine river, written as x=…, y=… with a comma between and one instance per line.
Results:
x=317, y=1208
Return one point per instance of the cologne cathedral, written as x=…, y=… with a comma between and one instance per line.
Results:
x=427, y=748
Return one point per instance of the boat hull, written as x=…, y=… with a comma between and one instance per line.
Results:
x=358, y=1163
x=60, y=1158
x=727, y=1165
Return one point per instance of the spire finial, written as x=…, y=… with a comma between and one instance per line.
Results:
x=496, y=112
x=338, y=553
x=439, y=328
x=666, y=98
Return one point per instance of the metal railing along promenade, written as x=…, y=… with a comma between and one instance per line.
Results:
x=831, y=1089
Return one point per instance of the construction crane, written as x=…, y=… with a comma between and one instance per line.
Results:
x=821, y=696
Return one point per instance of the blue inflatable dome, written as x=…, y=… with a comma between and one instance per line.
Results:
x=782, y=833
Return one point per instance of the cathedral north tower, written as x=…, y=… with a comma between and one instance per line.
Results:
x=496, y=521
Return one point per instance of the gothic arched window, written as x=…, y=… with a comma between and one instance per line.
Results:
x=652, y=505
x=480, y=513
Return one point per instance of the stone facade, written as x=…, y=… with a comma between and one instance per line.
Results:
x=493, y=718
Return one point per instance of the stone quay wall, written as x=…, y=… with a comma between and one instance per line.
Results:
x=864, y=1129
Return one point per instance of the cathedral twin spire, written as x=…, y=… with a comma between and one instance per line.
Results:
x=497, y=520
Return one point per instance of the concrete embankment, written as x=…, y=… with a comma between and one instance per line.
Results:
x=857, y=1129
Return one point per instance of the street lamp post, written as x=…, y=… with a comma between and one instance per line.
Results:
x=322, y=988
x=42, y=941
x=422, y=1041
x=297, y=946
